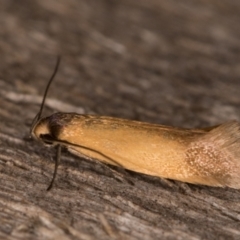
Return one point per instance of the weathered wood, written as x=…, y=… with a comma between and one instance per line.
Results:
x=169, y=62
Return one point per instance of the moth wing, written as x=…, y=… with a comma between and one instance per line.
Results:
x=216, y=155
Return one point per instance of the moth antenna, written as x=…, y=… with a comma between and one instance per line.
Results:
x=39, y=114
x=57, y=161
x=60, y=142
x=65, y=143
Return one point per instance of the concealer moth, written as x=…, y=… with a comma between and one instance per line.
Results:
x=208, y=156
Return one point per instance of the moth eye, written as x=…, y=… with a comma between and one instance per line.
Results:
x=47, y=138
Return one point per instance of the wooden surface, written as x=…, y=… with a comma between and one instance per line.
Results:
x=169, y=62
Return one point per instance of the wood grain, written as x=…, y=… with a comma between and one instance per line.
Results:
x=167, y=62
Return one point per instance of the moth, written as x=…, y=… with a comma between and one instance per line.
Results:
x=208, y=156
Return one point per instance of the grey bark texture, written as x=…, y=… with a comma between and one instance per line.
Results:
x=168, y=62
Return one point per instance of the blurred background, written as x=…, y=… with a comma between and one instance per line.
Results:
x=169, y=62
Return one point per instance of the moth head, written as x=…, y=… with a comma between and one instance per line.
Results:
x=41, y=131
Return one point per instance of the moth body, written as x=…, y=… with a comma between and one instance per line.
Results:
x=209, y=156
x=199, y=156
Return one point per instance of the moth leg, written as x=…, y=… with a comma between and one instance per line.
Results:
x=57, y=160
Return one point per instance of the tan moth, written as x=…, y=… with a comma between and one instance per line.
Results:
x=209, y=156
